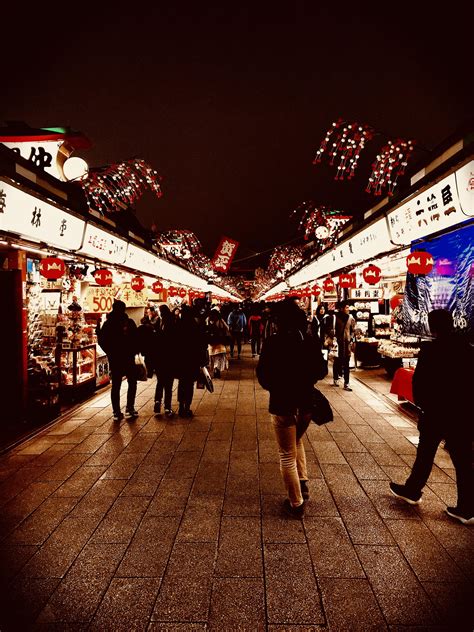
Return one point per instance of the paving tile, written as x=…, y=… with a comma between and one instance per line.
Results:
x=216, y=451
x=287, y=569
x=237, y=599
x=453, y=602
x=12, y=559
x=81, y=481
x=210, y=479
x=186, y=587
x=321, y=502
x=201, y=520
x=350, y=604
x=348, y=442
x=399, y=594
x=124, y=466
x=456, y=539
x=388, y=505
x=240, y=548
x=331, y=549
x=122, y=520
x=277, y=526
x=171, y=497
x=24, y=599
x=328, y=452
x=42, y=522
x=364, y=466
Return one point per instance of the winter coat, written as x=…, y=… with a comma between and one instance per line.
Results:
x=191, y=349
x=237, y=321
x=289, y=365
x=255, y=326
x=118, y=338
x=217, y=334
x=345, y=329
x=165, y=352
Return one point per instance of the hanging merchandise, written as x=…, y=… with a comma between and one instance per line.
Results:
x=347, y=280
x=420, y=262
x=137, y=283
x=344, y=142
x=389, y=165
x=157, y=287
x=117, y=187
x=52, y=268
x=103, y=276
x=372, y=274
x=329, y=285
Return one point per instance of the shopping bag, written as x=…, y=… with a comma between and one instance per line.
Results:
x=321, y=411
x=206, y=379
x=140, y=368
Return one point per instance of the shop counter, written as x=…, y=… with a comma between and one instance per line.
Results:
x=366, y=353
x=402, y=384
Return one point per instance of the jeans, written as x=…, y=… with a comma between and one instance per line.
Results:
x=341, y=367
x=117, y=372
x=289, y=431
x=164, y=383
x=255, y=344
x=236, y=340
x=185, y=392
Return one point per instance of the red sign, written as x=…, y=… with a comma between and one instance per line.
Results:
x=157, y=287
x=420, y=262
x=316, y=290
x=52, y=268
x=224, y=254
x=137, y=283
x=347, y=280
x=103, y=277
x=372, y=274
x=328, y=285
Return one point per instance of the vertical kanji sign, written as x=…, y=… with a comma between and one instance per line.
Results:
x=224, y=254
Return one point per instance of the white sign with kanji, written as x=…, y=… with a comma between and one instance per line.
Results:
x=103, y=246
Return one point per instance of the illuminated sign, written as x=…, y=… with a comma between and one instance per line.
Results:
x=103, y=245
x=224, y=254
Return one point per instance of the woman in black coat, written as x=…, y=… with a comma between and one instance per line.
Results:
x=165, y=360
x=289, y=365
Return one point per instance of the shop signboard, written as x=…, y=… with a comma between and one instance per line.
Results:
x=32, y=218
x=435, y=209
x=142, y=260
x=368, y=293
x=130, y=297
x=98, y=299
x=41, y=153
x=102, y=245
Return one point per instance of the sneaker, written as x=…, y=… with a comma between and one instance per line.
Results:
x=462, y=516
x=347, y=387
x=157, y=409
x=293, y=512
x=131, y=414
x=400, y=491
x=217, y=373
x=169, y=413
x=188, y=413
x=335, y=382
x=304, y=489
x=118, y=416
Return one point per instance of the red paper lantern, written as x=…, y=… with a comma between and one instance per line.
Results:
x=137, y=283
x=172, y=291
x=157, y=287
x=306, y=291
x=316, y=290
x=181, y=292
x=52, y=268
x=328, y=285
x=103, y=277
x=420, y=262
x=372, y=274
x=347, y=280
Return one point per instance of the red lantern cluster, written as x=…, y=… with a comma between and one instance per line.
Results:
x=316, y=290
x=157, y=287
x=372, y=274
x=103, y=277
x=181, y=292
x=137, y=283
x=420, y=262
x=329, y=285
x=172, y=291
x=52, y=268
x=348, y=280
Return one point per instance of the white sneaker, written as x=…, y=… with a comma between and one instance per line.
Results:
x=335, y=382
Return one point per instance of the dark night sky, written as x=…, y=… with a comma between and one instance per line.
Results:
x=229, y=102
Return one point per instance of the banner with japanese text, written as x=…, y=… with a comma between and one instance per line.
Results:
x=224, y=254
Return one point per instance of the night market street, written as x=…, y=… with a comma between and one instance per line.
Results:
x=176, y=525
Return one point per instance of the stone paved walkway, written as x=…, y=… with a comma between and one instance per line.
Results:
x=177, y=525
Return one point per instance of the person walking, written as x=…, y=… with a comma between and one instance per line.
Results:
x=289, y=365
x=217, y=337
x=164, y=355
x=118, y=339
x=237, y=323
x=442, y=389
x=191, y=346
x=344, y=333
x=146, y=341
x=255, y=326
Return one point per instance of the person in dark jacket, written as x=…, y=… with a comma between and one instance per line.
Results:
x=442, y=389
x=344, y=331
x=165, y=360
x=289, y=365
x=237, y=322
x=255, y=326
x=191, y=344
x=146, y=339
x=118, y=338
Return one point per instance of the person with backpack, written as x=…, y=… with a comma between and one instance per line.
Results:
x=289, y=365
x=255, y=326
x=237, y=323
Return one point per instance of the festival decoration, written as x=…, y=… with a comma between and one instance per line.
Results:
x=182, y=244
x=52, y=268
x=344, y=142
x=103, y=276
x=157, y=287
x=347, y=280
x=320, y=223
x=116, y=187
x=420, y=262
x=284, y=258
x=181, y=292
x=389, y=165
x=137, y=283
x=172, y=291
x=224, y=254
x=329, y=285
x=372, y=274
x=316, y=290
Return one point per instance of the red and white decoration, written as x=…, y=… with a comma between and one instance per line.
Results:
x=420, y=262
x=137, y=283
x=316, y=290
x=372, y=274
x=347, y=280
x=172, y=291
x=389, y=165
x=224, y=254
x=52, y=268
x=157, y=287
x=344, y=142
x=103, y=277
x=181, y=292
x=329, y=285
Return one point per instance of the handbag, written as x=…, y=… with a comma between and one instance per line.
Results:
x=206, y=379
x=321, y=411
x=140, y=368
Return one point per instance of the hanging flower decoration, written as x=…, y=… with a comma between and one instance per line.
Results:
x=117, y=187
x=344, y=142
x=389, y=165
x=320, y=224
x=284, y=258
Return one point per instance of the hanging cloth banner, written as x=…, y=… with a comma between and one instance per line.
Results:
x=224, y=254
